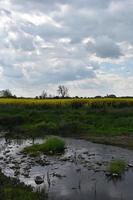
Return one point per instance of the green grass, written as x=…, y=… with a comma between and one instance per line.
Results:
x=12, y=193
x=52, y=145
x=66, y=117
x=12, y=189
x=117, y=167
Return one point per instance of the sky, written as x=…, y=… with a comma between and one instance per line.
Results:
x=86, y=45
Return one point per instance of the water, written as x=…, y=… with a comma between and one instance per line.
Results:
x=78, y=174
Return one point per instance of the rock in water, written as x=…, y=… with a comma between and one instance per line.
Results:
x=39, y=180
x=108, y=174
x=130, y=165
x=115, y=175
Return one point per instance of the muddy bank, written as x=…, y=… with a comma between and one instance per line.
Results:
x=121, y=141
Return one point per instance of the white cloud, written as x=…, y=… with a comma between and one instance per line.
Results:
x=85, y=44
x=104, y=47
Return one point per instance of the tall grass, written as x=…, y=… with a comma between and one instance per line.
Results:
x=66, y=117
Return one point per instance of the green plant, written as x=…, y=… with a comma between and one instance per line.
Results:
x=12, y=189
x=52, y=145
x=117, y=167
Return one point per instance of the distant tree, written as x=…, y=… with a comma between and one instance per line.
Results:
x=56, y=97
x=62, y=91
x=98, y=96
x=50, y=96
x=6, y=93
x=43, y=95
x=14, y=96
x=111, y=96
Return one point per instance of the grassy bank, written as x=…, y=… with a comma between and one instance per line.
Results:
x=125, y=141
x=11, y=189
x=97, y=118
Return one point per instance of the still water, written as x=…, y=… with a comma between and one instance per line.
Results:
x=80, y=173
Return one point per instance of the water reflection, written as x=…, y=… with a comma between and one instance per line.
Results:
x=79, y=173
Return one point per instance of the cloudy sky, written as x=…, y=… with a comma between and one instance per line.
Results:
x=86, y=45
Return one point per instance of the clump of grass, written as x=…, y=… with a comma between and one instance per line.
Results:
x=117, y=167
x=53, y=145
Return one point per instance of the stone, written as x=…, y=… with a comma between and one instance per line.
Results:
x=130, y=165
x=78, y=169
x=85, y=152
x=108, y=174
x=58, y=175
x=65, y=158
x=16, y=173
x=115, y=175
x=39, y=180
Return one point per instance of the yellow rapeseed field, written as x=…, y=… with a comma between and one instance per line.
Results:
x=90, y=101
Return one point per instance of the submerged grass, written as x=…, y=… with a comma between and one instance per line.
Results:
x=117, y=167
x=52, y=145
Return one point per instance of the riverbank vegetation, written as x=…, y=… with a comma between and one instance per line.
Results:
x=52, y=146
x=12, y=189
x=86, y=118
x=117, y=167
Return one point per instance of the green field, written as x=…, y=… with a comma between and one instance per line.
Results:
x=66, y=117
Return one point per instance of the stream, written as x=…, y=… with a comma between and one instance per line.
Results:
x=80, y=173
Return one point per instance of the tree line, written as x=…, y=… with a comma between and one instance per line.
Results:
x=62, y=92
